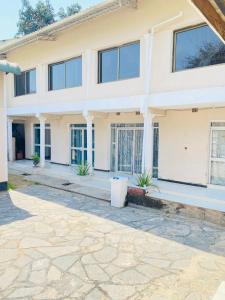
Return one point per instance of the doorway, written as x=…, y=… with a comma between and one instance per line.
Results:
x=79, y=144
x=18, y=133
x=37, y=140
x=126, y=148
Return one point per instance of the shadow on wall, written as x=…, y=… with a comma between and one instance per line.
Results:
x=9, y=213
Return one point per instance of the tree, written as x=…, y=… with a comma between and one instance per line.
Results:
x=34, y=18
x=71, y=10
x=208, y=54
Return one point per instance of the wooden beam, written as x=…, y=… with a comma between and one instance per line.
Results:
x=212, y=16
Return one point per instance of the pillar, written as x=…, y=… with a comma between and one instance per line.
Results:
x=10, y=139
x=89, y=119
x=42, y=120
x=147, y=154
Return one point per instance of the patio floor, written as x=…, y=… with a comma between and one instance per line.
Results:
x=57, y=245
x=99, y=185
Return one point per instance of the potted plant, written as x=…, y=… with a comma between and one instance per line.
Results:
x=140, y=194
x=36, y=160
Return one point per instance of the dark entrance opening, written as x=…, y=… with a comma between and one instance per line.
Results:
x=18, y=132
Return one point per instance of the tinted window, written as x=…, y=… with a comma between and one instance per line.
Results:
x=20, y=84
x=119, y=63
x=108, y=65
x=66, y=74
x=25, y=83
x=31, y=82
x=74, y=72
x=197, y=47
x=129, y=61
x=57, y=76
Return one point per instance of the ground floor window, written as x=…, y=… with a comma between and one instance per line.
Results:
x=37, y=140
x=217, y=153
x=79, y=144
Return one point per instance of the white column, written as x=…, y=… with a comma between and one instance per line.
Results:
x=3, y=137
x=10, y=140
x=42, y=120
x=89, y=119
x=147, y=154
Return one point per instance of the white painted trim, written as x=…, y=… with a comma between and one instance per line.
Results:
x=202, y=98
x=205, y=97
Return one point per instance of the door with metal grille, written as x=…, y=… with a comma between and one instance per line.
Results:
x=129, y=150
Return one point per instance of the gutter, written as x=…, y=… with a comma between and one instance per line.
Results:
x=48, y=32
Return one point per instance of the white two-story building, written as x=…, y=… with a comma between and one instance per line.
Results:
x=128, y=86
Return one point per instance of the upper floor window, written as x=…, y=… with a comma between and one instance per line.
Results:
x=119, y=63
x=197, y=47
x=25, y=83
x=65, y=74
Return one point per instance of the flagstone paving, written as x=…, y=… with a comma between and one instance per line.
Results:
x=58, y=245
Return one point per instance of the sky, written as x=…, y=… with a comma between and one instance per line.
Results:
x=10, y=8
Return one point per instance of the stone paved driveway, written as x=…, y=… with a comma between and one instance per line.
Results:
x=57, y=245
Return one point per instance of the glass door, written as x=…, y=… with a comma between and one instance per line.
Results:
x=37, y=140
x=79, y=144
x=217, y=159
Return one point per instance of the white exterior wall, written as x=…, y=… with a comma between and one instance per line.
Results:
x=201, y=87
x=114, y=29
x=184, y=129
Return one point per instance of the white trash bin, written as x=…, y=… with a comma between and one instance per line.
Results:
x=118, y=191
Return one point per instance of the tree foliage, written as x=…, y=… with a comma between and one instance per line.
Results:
x=69, y=11
x=34, y=18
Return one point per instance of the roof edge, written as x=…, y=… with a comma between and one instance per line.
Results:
x=47, y=31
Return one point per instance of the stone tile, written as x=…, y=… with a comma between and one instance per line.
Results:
x=38, y=277
x=118, y=292
x=33, y=243
x=26, y=292
x=8, y=277
x=96, y=294
x=105, y=255
x=96, y=273
x=40, y=264
x=54, y=274
x=65, y=262
x=76, y=247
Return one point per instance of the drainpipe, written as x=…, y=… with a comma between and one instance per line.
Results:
x=151, y=45
x=147, y=153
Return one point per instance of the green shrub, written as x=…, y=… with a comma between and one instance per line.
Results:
x=36, y=159
x=83, y=169
x=144, y=180
x=10, y=186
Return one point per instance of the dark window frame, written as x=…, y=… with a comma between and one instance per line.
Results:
x=118, y=62
x=64, y=63
x=25, y=83
x=175, y=32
